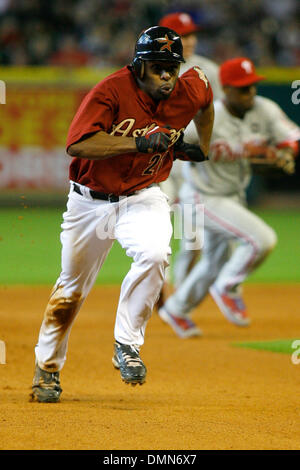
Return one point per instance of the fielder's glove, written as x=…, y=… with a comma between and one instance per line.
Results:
x=155, y=140
x=264, y=157
x=285, y=161
x=185, y=151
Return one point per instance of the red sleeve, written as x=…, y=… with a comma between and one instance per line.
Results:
x=198, y=86
x=96, y=113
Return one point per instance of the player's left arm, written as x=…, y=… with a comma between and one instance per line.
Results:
x=285, y=135
x=281, y=155
x=201, y=96
x=286, y=153
x=283, y=146
x=204, y=121
x=197, y=152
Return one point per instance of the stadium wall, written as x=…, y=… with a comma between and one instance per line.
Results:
x=39, y=106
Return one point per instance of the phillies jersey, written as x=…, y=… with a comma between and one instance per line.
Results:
x=117, y=106
x=265, y=123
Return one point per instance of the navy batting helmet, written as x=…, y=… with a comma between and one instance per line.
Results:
x=157, y=43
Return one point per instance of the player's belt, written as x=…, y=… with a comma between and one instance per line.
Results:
x=102, y=196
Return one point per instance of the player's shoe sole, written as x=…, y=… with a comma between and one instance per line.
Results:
x=229, y=306
x=127, y=360
x=184, y=327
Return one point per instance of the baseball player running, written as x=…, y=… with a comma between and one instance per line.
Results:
x=184, y=25
x=122, y=141
x=247, y=127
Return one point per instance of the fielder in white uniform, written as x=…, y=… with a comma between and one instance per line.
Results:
x=245, y=126
x=184, y=25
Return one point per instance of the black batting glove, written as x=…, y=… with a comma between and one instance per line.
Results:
x=185, y=151
x=155, y=140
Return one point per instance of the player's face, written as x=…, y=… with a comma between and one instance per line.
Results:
x=240, y=99
x=160, y=78
x=189, y=43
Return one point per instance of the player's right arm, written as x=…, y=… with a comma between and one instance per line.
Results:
x=101, y=145
x=90, y=136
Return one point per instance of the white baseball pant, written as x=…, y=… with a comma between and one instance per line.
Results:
x=185, y=258
x=226, y=222
x=141, y=224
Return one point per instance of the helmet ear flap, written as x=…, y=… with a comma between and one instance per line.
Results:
x=138, y=67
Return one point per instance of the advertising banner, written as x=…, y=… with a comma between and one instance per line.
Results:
x=33, y=127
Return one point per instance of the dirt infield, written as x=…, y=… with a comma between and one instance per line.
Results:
x=200, y=393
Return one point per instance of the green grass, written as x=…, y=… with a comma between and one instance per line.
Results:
x=278, y=346
x=283, y=264
x=30, y=248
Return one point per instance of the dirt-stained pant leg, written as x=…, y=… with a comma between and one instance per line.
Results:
x=83, y=253
x=144, y=230
x=141, y=223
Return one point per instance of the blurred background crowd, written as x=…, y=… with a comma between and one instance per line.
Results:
x=102, y=32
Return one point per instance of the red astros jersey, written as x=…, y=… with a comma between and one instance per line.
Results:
x=117, y=105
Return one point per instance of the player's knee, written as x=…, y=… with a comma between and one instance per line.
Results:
x=268, y=241
x=155, y=256
x=158, y=258
x=272, y=239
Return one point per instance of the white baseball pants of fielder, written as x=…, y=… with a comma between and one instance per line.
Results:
x=227, y=223
x=141, y=224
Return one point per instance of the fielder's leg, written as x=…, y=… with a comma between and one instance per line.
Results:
x=184, y=263
x=254, y=241
x=196, y=284
x=195, y=287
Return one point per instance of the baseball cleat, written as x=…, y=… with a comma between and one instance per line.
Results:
x=45, y=386
x=183, y=326
x=126, y=358
x=232, y=306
